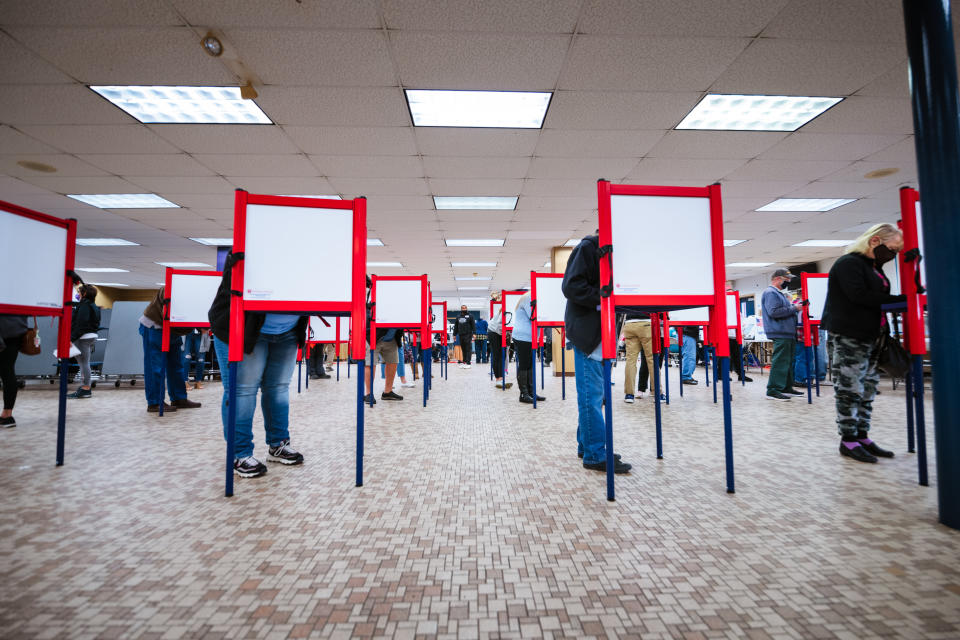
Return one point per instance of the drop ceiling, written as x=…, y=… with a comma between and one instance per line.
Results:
x=331, y=75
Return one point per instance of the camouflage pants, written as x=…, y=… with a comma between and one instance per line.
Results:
x=855, y=378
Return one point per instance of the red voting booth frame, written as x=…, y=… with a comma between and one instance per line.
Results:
x=811, y=338
x=444, y=360
x=914, y=332
x=493, y=314
x=355, y=307
x=337, y=342
x=424, y=326
x=64, y=313
x=609, y=302
x=538, y=335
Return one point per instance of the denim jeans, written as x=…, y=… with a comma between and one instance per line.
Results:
x=269, y=368
x=480, y=347
x=193, y=356
x=688, y=361
x=591, y=430
x=152, y=361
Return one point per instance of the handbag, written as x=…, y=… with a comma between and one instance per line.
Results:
x=30, y=343
x=893, y=358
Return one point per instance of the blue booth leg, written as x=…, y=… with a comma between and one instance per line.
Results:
x=608, y=423
x=231, y=426
x=360, y=384
x=656, y=404
x=727, y=422
x=62, y=410
x=919, y=416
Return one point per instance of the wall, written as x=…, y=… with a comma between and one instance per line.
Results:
x=558, y=264
x=106, y=296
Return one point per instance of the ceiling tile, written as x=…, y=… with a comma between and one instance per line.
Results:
x=714, y=144
x=582, y=168
x=106, y=184
x=648, y=64
x=134, y=164
x=692, y=171
x=613, y=110
x=551, y=203
x=577, y=187
x=346, y=141
x=474, y=187
x=369, y=166
x=22, y=66
x=335, y=106
x=784, y=170
x=828, y=146
x=57, y=104
x=315, y=57
x=286, y=185
x=498, y=16
x=681, y=17
x=226, y=138
x=488, y=167
x=562, y=143
x=479, y=61
x=354, y=187
x=116, y=139
x=163, y=184
x=904, y=151
x=66, y=165
x=439, y=141
x=399, y=203
x=90, y=13
x=859, y=114
x=848, y=21
x=329, y=14
x=264, y=165
x=857, y=171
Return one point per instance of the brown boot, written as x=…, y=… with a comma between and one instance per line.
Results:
x=184, y=403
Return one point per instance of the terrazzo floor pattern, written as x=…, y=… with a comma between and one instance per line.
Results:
x=475, y=520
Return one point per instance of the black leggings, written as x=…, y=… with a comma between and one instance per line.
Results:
x=524, y=355
x=466, y=347
x=7, y=375
x=496, y=353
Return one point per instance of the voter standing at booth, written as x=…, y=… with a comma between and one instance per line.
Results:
x=780, y=319
x=151, y=330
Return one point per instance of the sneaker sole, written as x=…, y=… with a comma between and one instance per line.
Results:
x=273, y=458
x=244, y=474
x=773, y=398
x=628, y=401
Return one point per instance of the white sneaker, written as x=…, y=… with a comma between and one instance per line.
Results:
x=466, y=366
x=641, y=395
x=407, y=385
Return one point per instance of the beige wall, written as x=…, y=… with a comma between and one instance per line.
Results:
x=558, y=262
x=106, y=296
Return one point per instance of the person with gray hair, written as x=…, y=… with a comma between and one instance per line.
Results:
x=780, y=316
x=856, y=291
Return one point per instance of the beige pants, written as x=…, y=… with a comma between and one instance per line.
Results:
x=635, y=335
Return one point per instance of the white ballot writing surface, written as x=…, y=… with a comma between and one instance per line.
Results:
x=658, y=268
x=33, y=258
x=399, y=302
x=191, y=297
x=731, y=311
x=281, y=258
x=817, y=295
x=699, y=315
x=551, y=303
x=319, y=332
x=439, y=322
x=923, y=253
x=510, y=301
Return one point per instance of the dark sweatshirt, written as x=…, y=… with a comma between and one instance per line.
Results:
x=581, y=287
x=855, y=292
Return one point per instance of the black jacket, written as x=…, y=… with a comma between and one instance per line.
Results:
x=855, y=292
x=466, y=325
x=219, y=316
x=581, y=287
x=86, y=319
x=691, y=331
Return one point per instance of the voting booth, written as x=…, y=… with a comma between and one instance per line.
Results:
x=402, y=302
x=508, y=303
x=42, y=248
x=438, y=326
x=549, y=306
x=912, y=284
x=278, y=269
x=496, y=308
x=329, y=330
x=813, y=291
x=656, y=279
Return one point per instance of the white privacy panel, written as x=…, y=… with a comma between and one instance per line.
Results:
x=33, y=258
x=657, y=267
x=700, y=315
x=281, y=258
x=551, y=303
x=191, y=297
x=439, y=323
x=319, y=332
x=923, y=252
x=817, y=295
x=731, y=311
x=399, y=302
x=510, y=301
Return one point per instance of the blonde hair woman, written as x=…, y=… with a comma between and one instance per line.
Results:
x=856, y=291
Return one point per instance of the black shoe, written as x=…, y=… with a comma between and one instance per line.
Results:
x=324, y=375
x=745, y=379
x=81, y=393
x=616, y=456
x=249, y=467
x=794, y=392
x=689, y=381
x=315, y=376
x=858, y=453
x=184, y=403
x=873, y=449
x=541, y=399
x=776, y=395
x=369, y=399
x=390, y=396
x=8, y=422
x=284, y=454
x=618, y=466
x=155, y=408
x=525, y=399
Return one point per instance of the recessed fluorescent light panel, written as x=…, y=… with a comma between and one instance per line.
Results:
x=481, y=242
x=101, y=270
x=823, y=243
x=374, y=242
x=385, y=264
x=572, y=242
x=214, y=242
x=182, y=265
x=105, y=242
x=755, y=113
x=184, y=105
x=124, y=200
x=475, y=203
x=546, y=265
x=732, y=243
x=805, y=204
x=474, y=278
x=749, y=264
x=501, y=109
x=109, y=284
x=473, y=264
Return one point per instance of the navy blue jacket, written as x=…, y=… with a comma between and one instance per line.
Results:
x=581, y=287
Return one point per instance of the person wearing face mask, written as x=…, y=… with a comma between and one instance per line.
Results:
x=780, y=316
x=465, y=330
x=856, y=291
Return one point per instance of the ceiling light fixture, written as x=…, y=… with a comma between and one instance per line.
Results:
x=732, y=243
x=374, y=242
x=398, y=265
x=718, y=112
x=460, y=278
x=572, y=242
x=499, y=109
x=215, y=242
x=481, y=242
x=185, y=105
x=124, y=200
x=473, y=264
x=822, y=243
x=101, y=270
x=182, y=265
x=109, y=284
x=212, y=45
x=806, y=204
x=749, y=264
x=105, y=242
x=476, y=203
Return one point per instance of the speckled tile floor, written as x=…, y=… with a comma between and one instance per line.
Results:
x=475, y=520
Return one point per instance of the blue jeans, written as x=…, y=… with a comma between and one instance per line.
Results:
x=800, y=362
x=481, y=350
x=591, y=430
x=153, y=359
x=192, y=356
x=268, y=368
x=688, y=362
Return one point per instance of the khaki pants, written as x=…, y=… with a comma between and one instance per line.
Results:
x=635, y=335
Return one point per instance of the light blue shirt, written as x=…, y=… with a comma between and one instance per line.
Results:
x=522, y=320
x=277, y=323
